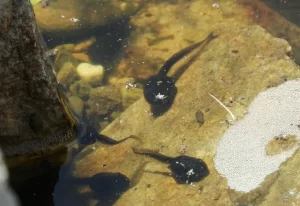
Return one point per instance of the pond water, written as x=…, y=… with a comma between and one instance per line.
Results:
x=176, y=102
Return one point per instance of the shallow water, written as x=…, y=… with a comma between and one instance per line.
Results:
x=106, y=98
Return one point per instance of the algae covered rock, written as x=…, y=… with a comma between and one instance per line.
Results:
x=129, y=96
x=81, y=89
x=76, y=104
x=71, y=15
x=67, y=74
x=63, y=56
x=230, y=69
x=130, y=90
x=243, y=61
x=104, y=100
x=162, y=33
x=274, y=22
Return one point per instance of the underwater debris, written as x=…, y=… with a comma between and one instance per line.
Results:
x=281, y=143
x=129, y=85
x=226, y=108
x=74, y=20
x=199, y=117
x=183, y=149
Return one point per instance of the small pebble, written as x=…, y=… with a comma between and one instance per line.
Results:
x=199, y=117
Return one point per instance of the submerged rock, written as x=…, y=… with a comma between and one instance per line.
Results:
x=231, y=67
x=76, y=104
x=64, y=57
x=35, y=123
x=129, y=96
x=130, y=90
x=73, y=53
x=81, y=89
x=276, y=22
x=219, y=71
x=70, y=15
x=92, y=74
x=28, y=88
x=67, y=74
x=103, y=100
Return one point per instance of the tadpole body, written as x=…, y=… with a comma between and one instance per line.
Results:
x=184, y=169
x=89, y=135
x=160, y=89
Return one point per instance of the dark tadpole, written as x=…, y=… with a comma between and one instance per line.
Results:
x=107, y=187
x=184, y=169
x=89, y=135
x=86, y=134
x=160, y=89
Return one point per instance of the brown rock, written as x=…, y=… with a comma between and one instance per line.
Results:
x=108, y=159
x=83, y=46
x=67, y=74
x=81, y=57
x=231, y=67
x=219, y=71
x=274, y=23
x=104, y=100
x=81, y=89
x=70, y=15
x=28, y=88
x=199, y=117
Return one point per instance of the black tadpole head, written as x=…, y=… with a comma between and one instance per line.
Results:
x=187, y=169
x=109, y=184
x=160, y=91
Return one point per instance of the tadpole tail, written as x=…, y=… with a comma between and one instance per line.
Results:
x=110, y=141
x=154, y=154
x=169, y=174
x=177, y=56
x=137, y=176
x=131, y=137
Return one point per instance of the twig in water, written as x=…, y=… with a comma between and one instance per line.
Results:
x=228, y=110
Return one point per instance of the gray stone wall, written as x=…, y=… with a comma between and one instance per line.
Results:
x=32, y=116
